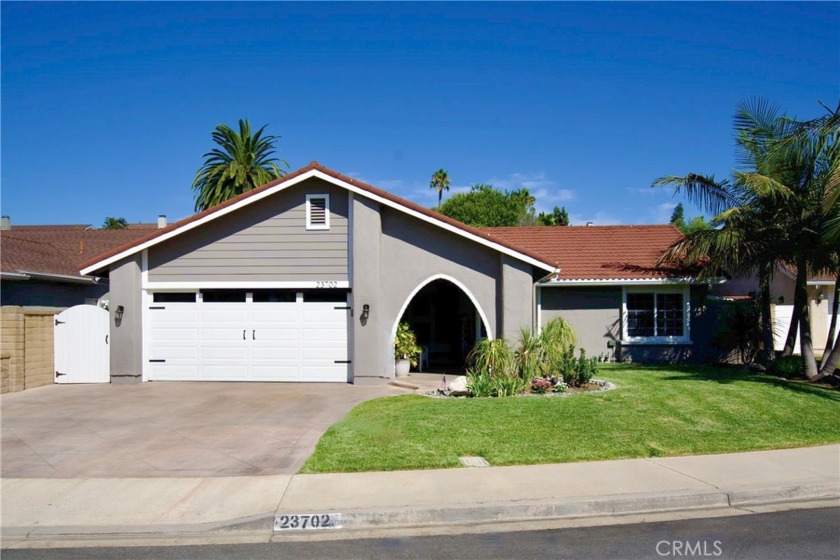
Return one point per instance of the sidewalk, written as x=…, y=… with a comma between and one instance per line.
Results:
x=42, y=509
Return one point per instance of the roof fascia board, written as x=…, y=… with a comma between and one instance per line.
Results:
x=13, y=276
x=620, y=282
x=292, y=182
x=61, y=277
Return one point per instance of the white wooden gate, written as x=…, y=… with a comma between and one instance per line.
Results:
x=81, y=345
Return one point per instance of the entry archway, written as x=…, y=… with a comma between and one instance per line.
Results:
x=447, y=320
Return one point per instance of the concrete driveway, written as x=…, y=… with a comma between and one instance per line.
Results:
x=170, y=429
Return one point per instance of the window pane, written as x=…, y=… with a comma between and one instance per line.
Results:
x=223, y=296
x=174, y=297
x=329, y=296
x=669, y=314
x=274, y=296
x=640, y=315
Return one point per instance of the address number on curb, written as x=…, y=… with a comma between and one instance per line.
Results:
x=307, y=521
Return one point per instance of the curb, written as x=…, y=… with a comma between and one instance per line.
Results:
x=261, y=527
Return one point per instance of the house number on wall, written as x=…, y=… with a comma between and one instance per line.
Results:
x=326, y=284
x=307, y=521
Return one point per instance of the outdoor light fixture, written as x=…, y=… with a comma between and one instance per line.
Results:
x=365, y=314
x=118, y=314
x=820, y=297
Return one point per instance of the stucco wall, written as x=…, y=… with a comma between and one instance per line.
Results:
x=592, y=311
x=595, y=313
x=266, y=241
x=516, y=301
x=126, y=332
x=389, y=268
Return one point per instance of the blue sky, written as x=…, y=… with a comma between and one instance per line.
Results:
x=108, y=107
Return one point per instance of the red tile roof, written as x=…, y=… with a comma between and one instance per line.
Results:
x=600, y=252
x=592, y=252
x=59, y=249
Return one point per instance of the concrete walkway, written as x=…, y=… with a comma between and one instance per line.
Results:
x=36, y=510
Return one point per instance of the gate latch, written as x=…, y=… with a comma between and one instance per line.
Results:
x=59, y=374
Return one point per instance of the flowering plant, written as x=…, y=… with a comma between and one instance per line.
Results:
x=541, y=386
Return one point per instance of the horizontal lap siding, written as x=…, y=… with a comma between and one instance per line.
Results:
x=266, y=241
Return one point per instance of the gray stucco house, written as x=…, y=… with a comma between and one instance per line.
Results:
x=307, y=277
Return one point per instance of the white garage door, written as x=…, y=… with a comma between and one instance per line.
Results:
x=238, y=335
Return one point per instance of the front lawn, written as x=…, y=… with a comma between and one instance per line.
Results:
x=656, y=411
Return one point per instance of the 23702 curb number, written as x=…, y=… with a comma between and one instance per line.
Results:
x=307, y=521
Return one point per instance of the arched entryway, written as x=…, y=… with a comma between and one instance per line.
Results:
x=447, y=321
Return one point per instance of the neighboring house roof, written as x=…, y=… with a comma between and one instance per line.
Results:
x=315, y=169
x=601, y=254
x=57, y=251
x=820, y=278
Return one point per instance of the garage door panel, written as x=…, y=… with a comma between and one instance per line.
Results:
x=162, y=352
x=225, y=372
x=173, y=372
x=278, y=336
x=270, y=341
x=324, y=354
x=278, y=354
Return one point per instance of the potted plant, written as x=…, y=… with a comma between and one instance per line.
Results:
x=406, y=350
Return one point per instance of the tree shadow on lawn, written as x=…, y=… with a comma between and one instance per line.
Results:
x=727, y=375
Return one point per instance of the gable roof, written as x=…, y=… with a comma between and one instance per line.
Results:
x=59, y=250
x=317, y=170
x=601, y=254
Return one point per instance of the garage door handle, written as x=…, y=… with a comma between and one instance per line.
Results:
x=243, y=334
x=106, y=339
x=253, y=335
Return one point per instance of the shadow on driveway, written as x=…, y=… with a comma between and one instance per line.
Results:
x=170, y=429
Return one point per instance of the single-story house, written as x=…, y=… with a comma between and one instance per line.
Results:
x=39, y=264
x=820, y=303
x=307, y=277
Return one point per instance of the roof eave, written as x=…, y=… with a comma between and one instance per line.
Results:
x=627, y=281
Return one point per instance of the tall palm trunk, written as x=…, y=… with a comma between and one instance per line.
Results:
x=831, y=354
x=809, y=361
x=800, y=300
x=766, y=355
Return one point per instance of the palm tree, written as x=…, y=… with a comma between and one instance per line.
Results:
x=440, y=182
x=243, y=161
x=781, y=211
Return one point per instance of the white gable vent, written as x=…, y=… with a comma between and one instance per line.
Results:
x=317, y=211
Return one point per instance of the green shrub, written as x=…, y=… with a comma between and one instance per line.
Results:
x=492, y=357
x=575, y=372
x=586, y=368
x=529, y=354
x=788, y=366
x=480, y=384
x=508, y=386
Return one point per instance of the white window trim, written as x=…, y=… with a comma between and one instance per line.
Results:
x=309, y=224
x=686, y=294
